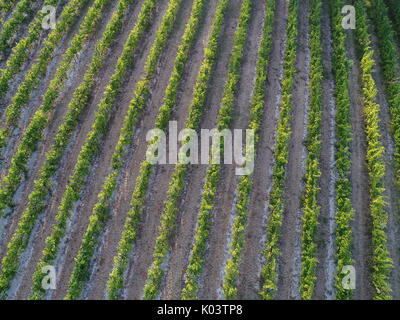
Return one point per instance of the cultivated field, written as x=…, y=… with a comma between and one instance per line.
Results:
x=84, y=213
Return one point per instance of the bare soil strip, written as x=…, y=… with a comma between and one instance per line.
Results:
x=249, y=273
x=326, y=231
x=185, y=230
x=290, y=260
x=360, y=184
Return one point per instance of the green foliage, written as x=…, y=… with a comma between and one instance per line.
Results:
x=5, y=7
x=311, y=208
x=394, y=8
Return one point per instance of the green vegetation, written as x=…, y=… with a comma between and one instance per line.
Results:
x=394, y=6
x=5, y=7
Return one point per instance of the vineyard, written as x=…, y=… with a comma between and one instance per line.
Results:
x=86, y=215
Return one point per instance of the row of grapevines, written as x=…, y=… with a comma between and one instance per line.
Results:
x=245, y=184
x=390, y=66
x=168, y=217
x=21, y=14
x=344, y=209
x=214, y=171
x=92, y=145
x=98, y=219
x=381, y=261
x=311, y=208
x=394, y=6
x=34, y=76
x=34, y=132
x=20, y=53
x=269, y=272
x=37, y=200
